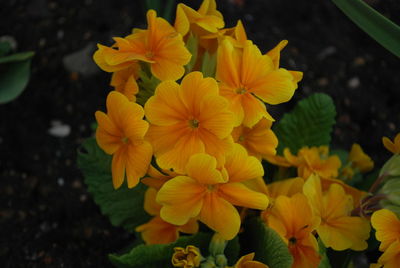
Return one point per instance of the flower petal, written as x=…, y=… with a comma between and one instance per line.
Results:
x=239, y=195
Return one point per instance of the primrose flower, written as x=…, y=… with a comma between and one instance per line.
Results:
x=387, y=226
x=246, y=76
x=207, y=193
x=359, y=159
x=292, y=218
x=394, y=146
x=314, y=160
x=338, y=229
x=207, y=19
x=259, y=141
x=158, y=231
x=160, y=46
x=120, y=133
x=188, y=257
x=247, y=261
x=187, y=119
x=124, y=81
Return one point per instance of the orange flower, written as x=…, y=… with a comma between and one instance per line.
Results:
x=338, y=229
x=294, y=221
x=124, y=81
x=160, y=46
x=205, y=192
x=259, y=141
x=247, y=261
x=158, y=231
x=247, y=76
x=314, y=160
x=187, y=119
x=207, y=19
x=394, y=146
x=188, y=257
x=359, y=159
x=120, y=133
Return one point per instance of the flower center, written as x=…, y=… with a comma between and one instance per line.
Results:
x=194, y=123
x=241, y=90
x=149, y=54
x=241, y=138
x=292, y=240
x=211, y=187
x=125, y=140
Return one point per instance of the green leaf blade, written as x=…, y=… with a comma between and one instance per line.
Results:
x=14, y=80
x=309, y=124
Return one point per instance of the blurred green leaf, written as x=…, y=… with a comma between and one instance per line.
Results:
x=5, y=48
x=191, y=44
x=373, y=23
x=309, y=124
x=232, y=251
x=22, y=56
x=124, y=206
x=324, y=258
x=209, y=64
x=13, y=80
x=156, y=256
x=267, y=245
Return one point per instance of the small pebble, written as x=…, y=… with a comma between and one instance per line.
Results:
x=60, y=181
x=353, y=82
x=59, y=130
x=326, y=52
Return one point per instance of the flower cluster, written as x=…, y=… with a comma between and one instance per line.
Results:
x=188, y=118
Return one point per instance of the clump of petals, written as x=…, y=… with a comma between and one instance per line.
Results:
x=188, y=257
x=247, y=261
x=394, y=146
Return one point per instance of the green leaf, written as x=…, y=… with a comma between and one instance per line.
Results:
x=309, y=124
x=5, y=48
x=209, y=64
x=384, y=31
x=124, y=206
x=23, y=56
x=232, y=250
x=168, y=10
x=267, y=245
x=324, y=258
x=192, y=45
x=159, y=255
x=13, y=80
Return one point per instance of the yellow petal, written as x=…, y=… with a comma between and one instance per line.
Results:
x=150, y=204
x=118, y=167
x=387, y=227
x=158, y=231
x=108, y=137
x=203, y=168
x=239, y=195
x=137, y=162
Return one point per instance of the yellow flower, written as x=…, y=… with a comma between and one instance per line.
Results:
x=246, y=76
x=188, y=257
x=124, y=81
x=293, y=220
x=394, y=146
x=205, y=192
x=314, y=160
x=359, y=159
x=187, y=119
x=259, y=141
x=159, y=45
x=158, y=231
x=120, y=133
x=387, y=226
x=338, y=229
x=247, y=261
x=207, y=19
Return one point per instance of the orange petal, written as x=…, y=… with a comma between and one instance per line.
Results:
x=239, y=195
x=387, y=227
x=203, y=168
x=254, y=110
x=150, y=204
x=118, y=167
x=158, y=231
x=137, y=162
x=108, y=137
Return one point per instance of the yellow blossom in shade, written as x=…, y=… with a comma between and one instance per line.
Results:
x=247, y=77
x=394, y=146
x=120, y=133
x=124, y=81
x=391, y=257
x=314, y=160
x=387, y=226
x=356, y=194
x=338, y=229
x=156, y=179
x=259, y=141
x=158, y=231
x=359, y=159
x=159, y=45
x=247, y=261
x=188, y=257
x=187, y=119
x=288, y=187
x=207, y=19
x=206, y=193
x=292, y=218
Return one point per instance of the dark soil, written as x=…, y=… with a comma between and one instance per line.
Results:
x=47, y=217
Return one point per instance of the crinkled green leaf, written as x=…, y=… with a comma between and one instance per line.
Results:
x=267, y=245
x=14, y=77
x=124, y=206
x=383, y=30
x=309, y=124
x=159, y=255
x=192, y=45
x=209, y=64
x=22, y=56
x=324, y=258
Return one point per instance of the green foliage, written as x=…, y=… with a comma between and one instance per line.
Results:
x=373, y=23
x=209, y=64
x=164, y=10
x=192, y=45
x=159, y=255
x=324, y=258
x=147, y=85
x=267, y=245
x=232, y=251
x=124, y=206
x=14, y=72
x=309, y=124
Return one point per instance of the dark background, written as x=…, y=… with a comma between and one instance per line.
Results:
x=47, y=217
